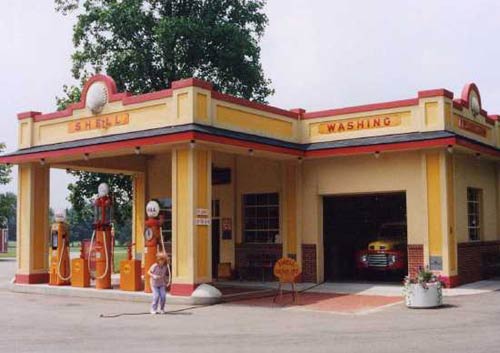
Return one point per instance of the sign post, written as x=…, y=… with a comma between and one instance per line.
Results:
x=287, y=270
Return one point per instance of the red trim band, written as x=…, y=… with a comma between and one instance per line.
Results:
x=440, y=92
x=362, y=108
x=187, y=136
x=246, y=144
x=382, y=147
x=450, y=281
x=32, y=278
x=253, y=105
x=477, y=147
x=182, y=289
x=100, y=147
x=192, y=82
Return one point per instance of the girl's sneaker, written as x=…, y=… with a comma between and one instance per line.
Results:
x=162, y=311
x=153, y=312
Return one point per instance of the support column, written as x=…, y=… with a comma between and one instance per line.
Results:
x=138, y=210
x=291, y=214
x=33, y=223
x=191, y=217
x=442, y=244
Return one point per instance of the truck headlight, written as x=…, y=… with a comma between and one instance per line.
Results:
x=363, y=258
x=391, y=259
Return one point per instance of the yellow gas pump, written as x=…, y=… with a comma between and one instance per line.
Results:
x=60, y=273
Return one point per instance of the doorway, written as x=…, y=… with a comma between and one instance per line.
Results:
x=363, y=234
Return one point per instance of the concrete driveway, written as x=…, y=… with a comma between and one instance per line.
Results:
x=36, y=323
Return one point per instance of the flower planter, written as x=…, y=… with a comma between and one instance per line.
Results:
x=418, y=296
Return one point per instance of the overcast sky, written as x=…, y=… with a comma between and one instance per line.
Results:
x=319, y=54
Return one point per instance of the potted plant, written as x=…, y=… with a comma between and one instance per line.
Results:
x=425, y=290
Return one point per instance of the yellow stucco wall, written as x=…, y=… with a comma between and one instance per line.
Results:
x=290, y=172
x=434, y=208
x=358, y=175
x=203, y=201
x=182, y=215
x=144, y=116
x=160, y=176
x=33, y=219
x=481, y=174
x=254, y=123
x=138, y=210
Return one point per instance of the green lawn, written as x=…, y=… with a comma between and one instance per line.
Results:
x=120, y=253
x=12, y=250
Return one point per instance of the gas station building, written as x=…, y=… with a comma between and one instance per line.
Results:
x=244, y=179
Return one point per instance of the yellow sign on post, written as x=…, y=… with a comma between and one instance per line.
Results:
x=287, y=270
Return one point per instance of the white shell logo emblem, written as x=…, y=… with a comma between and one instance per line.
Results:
x=474, y=105
x=97, y=97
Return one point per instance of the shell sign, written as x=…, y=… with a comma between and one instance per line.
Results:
x=286, y=269
x=101, y=122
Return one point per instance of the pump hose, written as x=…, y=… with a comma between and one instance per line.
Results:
x=223, y=301
x=90, y=250
x=168, y=265
x=58, y=272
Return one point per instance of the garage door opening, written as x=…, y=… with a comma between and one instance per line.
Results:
x=365, y=237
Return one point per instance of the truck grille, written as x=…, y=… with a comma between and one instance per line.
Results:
x=377, y=260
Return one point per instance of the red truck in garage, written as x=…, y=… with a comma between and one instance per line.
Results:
x=387, y=252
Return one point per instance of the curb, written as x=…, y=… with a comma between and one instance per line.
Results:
x=106, y=294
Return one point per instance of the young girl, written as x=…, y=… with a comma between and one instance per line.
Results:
x=158, y=272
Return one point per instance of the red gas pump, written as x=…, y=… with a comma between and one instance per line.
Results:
x=102, y=239
x=152, y=236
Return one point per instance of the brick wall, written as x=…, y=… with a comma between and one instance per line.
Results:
x=477, y=260
x=309, y=263
x=415, y=258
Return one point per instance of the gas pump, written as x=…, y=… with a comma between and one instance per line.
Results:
x=60, y=273
x=152, y=236
x=101, y=240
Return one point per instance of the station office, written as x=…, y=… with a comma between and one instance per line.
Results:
x=244, y=179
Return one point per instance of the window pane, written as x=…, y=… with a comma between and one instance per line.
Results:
x=473, y=212
x=261, y=217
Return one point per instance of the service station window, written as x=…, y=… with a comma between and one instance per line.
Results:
x=474, y=201
x=166, y=213
x=261, y=221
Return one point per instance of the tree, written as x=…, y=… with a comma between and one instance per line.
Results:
x=8, y=200
x=80, y=223
x=4, y=169
x=82, y=194
x=8, y=206
x=146, y=44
